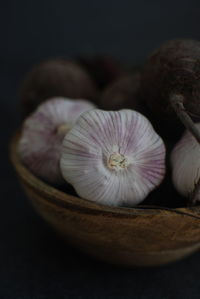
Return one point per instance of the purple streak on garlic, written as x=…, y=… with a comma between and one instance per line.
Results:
x=43, y=132
x=114, y=158
x=185, y=161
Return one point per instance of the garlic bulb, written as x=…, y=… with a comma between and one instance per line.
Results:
x=43, y=133
x=185, y=163
x=114, y=158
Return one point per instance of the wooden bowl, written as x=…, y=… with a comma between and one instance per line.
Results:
x=126, y=236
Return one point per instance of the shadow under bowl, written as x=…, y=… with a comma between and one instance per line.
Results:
x=125, y=236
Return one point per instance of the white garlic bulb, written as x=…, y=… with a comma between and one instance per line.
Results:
x=43, y=132
x=114, y=158
x=185, y=161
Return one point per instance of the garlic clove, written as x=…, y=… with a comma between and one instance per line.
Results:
x=185, y=165
x=114, y=158
x=42, y=135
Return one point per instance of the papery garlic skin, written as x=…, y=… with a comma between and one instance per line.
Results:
x=185, y=161
x=43, y=132
x=113, y=157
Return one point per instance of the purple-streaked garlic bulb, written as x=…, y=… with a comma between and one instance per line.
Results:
x=42, y=135
x=113, y=157
x=185, y=161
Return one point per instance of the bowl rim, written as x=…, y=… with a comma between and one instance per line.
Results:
x=65, y=200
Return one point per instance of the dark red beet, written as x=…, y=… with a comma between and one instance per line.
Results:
x=56, y=77
x=170, y=85
x=103, y=69
x=122, y=93
x=173, y=69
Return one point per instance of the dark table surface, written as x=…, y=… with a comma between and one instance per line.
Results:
x=34, y=262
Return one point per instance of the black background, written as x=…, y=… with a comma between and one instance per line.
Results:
x=34, y=262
